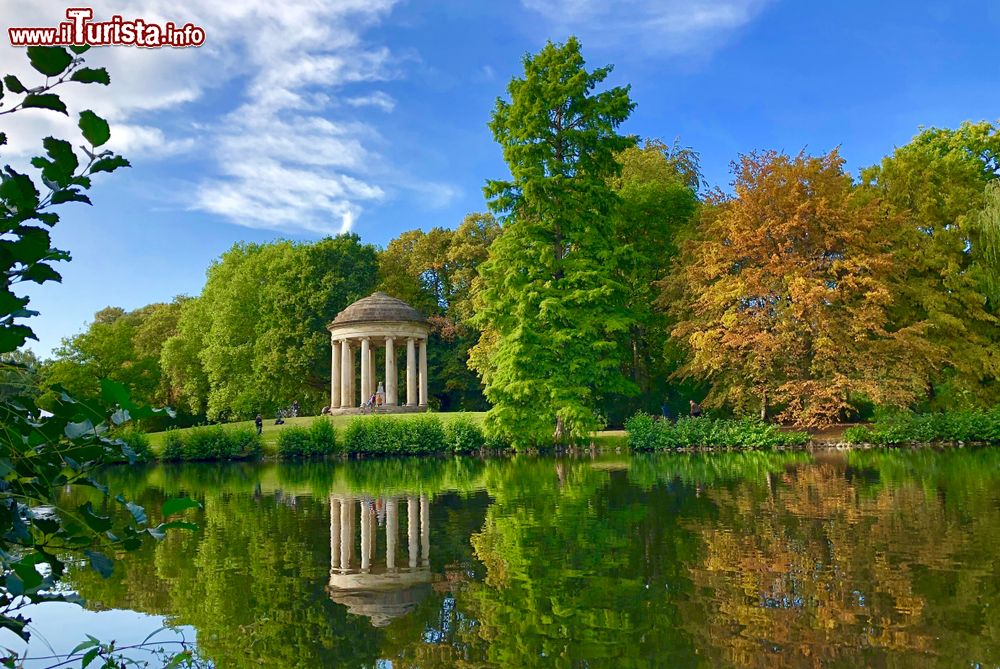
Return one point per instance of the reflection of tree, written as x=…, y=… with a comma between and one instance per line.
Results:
x=763, y=559
x=585, y=572
x=824, y=569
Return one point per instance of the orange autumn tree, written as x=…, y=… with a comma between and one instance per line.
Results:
x=783, y=293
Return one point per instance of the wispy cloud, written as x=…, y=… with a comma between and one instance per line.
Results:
x=671, y=26
x=273, y=103
x=378, y=99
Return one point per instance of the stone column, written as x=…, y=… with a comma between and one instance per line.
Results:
x=411, y=373
x=346, y=533
x=346, y=374
x=354, y=382
x=391, y=376
x=335, y=375
x=391, y=532
x=366, y=532
x=425, y=531
x=423, y=372
x=334, y=532
x=373, y=373
x=411, y=530
x=366, y=370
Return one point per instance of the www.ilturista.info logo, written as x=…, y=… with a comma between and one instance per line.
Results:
x=80, y=30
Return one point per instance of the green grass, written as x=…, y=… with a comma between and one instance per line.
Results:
x=270, y=433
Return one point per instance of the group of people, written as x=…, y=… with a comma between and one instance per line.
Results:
x=279, y=419
x=695, y=410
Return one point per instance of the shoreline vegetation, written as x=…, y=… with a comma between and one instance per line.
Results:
x=461, y=433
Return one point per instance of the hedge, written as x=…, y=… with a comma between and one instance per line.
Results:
x=646, y=434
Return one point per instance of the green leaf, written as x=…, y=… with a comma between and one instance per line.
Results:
x=113, y=392
x=95, y=129
x=91, y=75
x=95, y=522
x=84, y=645
x=69, y=195
x=74, y=431
x=49, y=60
x=109, y=164
x=40, y=273
x=100, y=563
x=79, y=49
x=14, y=84
x=89, y=657
x=178, y=504
x=45, y=101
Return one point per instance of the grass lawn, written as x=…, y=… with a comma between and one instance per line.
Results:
x=607, y=439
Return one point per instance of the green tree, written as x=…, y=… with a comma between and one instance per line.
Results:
x=255, y=339
x=658, y=187
x=937, y=186
x=551, y=299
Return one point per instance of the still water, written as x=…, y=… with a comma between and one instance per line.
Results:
x=874, y=559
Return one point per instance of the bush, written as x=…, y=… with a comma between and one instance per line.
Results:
x=136, y=440
x=212, y=443
x=464, y=435
x=384, y=435
x=646, y=434
x=323, y=436
x=173, y=447
x=908, y=428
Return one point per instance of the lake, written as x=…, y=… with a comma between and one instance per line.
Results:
x=834, y=559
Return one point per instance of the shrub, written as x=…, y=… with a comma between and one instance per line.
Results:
x=323, y=437
x=136, y=440
x=381, y=434
x=173, y=447
x=646, y=434
x=212, y=443
x=907, y=428
x=295, y=442
x=464, y=435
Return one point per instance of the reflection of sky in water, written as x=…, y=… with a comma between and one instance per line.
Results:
x=57, y=628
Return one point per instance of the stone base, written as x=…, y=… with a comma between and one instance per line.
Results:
x=384, y=409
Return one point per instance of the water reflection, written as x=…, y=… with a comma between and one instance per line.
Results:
x=727, y=560
x=366, y=587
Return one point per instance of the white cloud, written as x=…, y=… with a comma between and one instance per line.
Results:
x=281, y=149
x=672, y=26
x=378, y=99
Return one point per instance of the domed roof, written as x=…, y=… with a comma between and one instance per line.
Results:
x=378, y=307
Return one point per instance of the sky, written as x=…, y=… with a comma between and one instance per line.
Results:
x=304, y=118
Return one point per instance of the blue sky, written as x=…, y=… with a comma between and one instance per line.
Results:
x=299, y=119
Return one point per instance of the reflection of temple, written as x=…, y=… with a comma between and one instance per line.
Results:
x=361, y=581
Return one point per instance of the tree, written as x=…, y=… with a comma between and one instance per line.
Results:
x=255, y=339
x=41, y=455
x=784, y=295
x=122, y=346
x=658, y=187
x=550, y=295
x=937, y=186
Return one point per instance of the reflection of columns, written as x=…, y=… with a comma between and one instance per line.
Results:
x=346, y=533
x=366, y=370
x=411, y=530
x=391, y=532
x=335, y=375
x=411, y=373
x=346, y=374
x=425, y=530
x=366, y=533
x=423, y=372
x=334, y=532
x=391, y=377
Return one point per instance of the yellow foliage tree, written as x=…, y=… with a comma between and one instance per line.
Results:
x=783, y=294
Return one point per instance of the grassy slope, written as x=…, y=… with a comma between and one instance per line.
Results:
x=606, y=439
